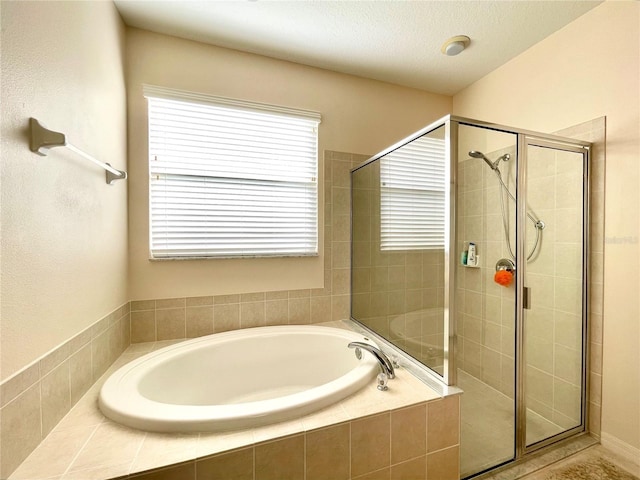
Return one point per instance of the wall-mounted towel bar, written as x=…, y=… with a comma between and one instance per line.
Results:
x=42, y=139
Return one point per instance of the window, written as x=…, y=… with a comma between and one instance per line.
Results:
x=412, y=196
x=230, y=178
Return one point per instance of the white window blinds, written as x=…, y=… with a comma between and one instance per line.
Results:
x=412, y=196
x=230, y=178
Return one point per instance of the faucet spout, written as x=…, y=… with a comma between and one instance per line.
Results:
x=385, y=364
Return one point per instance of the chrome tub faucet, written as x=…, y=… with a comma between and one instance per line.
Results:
x=386, y=366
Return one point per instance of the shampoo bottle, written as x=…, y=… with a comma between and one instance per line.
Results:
x=471, y=256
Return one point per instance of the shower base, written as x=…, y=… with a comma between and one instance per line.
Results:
x=487, y=426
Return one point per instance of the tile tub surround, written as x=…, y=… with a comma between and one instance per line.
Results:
x=35, y=399
x=406, y=432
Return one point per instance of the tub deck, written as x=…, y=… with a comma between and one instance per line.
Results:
x=85, y=445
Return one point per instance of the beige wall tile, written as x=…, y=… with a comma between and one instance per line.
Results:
x=53, y=359
x=99, y=355
x=137, y=305
x=199, y=321
x=340, y=305
x=303, y=293
x=341, y=230
x=414, y=469
x=236, y=465
x=594, y=420
x=143, y=326
x=185, y=471
x=80, y=340
x=252, y=297
x=277, y=312
x=199, y=301
x=300, y=310
x=539, y=386
x=566, y=399
x=125, y=326
x=277, y=295
x=225, y=299
x=408, y=433
x=280, y=460
x=252, y=314
x=320, y=309
x=19, y=383
x=443, y=423
x=80, y=374
x=340, y=254
x=328, y=453
x=170, y=303
x=56, y=397
x=340, y=200
x=20, y=430
x=370, y=444
x=382, y=474
x=340, y=173
x=226, y=317
x=170, y=323
x=443, y=465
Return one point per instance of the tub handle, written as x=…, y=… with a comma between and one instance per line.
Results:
x=385, y=364
x=382, y=382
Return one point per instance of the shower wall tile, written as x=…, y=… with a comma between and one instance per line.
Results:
x=35, y=399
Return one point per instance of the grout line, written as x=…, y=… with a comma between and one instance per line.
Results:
x=75, y=457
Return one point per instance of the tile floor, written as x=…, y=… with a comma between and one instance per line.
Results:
x=625, y=468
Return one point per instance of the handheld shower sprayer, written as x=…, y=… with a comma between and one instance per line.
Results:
x=537, y=223
x=493, y=165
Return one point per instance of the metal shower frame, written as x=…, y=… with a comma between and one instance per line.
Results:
x=525, y=139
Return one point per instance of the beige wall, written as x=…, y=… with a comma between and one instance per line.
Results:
x=64, y=230
x=586, y=70
x=358, y=115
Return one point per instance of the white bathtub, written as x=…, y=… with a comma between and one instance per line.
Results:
x=238, y=379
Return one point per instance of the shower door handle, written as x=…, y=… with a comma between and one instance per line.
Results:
x=526, y=298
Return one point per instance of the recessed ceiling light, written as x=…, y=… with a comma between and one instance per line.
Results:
x=455, y=45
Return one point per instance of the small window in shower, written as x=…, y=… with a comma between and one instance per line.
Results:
x=412, y=196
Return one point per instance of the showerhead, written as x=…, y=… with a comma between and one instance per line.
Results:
x=493, y=165
x=476, y=154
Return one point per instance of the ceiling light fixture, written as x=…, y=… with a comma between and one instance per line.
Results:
x=455, y=45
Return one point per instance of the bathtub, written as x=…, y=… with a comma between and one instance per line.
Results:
x=237, y=380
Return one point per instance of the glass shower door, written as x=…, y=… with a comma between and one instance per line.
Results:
x=554, y=294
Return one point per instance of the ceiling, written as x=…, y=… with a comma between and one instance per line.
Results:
x=389, y=40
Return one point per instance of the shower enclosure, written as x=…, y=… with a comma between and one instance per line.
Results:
x=469, y=253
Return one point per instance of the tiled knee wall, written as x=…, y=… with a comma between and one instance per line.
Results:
x=420, y=442
x=35, y=400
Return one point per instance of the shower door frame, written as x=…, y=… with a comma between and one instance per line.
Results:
x=526, y=140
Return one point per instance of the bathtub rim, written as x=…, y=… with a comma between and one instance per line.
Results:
x=158, y=417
